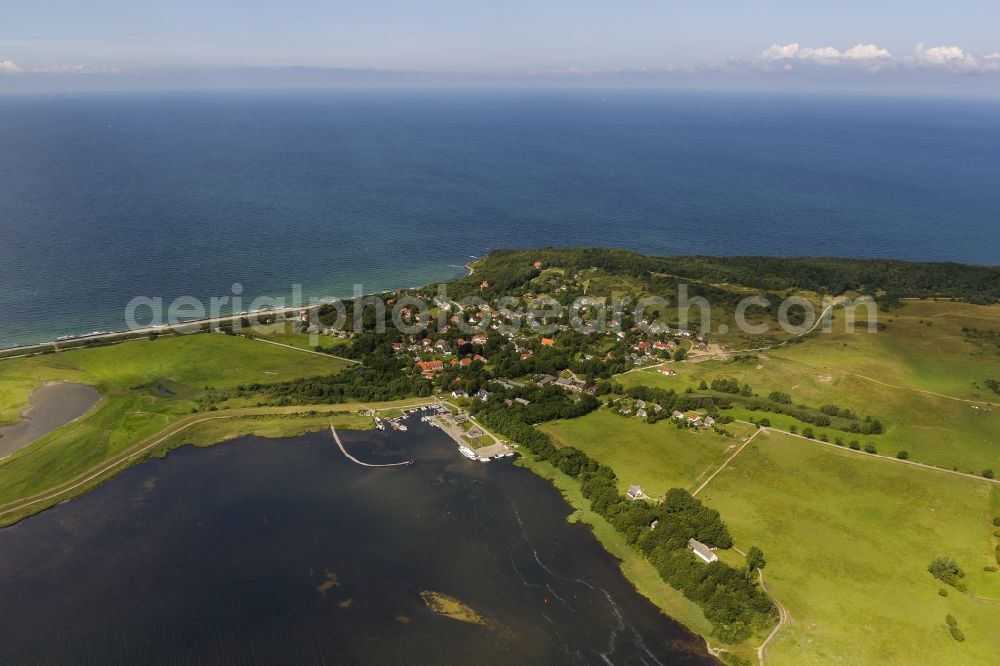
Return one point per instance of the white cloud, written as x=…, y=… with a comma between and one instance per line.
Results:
x=941, y=55
x=823, y=54
x=872, y=59
x=866, y=52
x=74, y=69
x=10, y=67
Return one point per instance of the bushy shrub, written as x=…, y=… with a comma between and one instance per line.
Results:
x=947, y=571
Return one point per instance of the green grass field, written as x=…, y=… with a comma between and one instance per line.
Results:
x=848, y=539
x=913, y=357
x=282, y=332
x=657, y=456
x=132, y=408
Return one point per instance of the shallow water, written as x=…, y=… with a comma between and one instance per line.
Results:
x=282, y=551
x=51, y=406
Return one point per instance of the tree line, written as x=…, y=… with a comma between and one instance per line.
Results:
x=729, y=596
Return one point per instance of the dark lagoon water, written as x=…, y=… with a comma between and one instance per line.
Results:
x=106, y=197
x=219, y=556
x=51, y=406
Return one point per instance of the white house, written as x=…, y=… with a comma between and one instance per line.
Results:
x=703, y=552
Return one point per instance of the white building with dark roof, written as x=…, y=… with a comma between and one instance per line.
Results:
x=703, y=552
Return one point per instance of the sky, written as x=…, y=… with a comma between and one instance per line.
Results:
x=771, y=43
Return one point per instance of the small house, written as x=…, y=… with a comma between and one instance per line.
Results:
x=635, y=492
x=703, y=552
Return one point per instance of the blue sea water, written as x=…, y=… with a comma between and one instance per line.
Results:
x=106, y=197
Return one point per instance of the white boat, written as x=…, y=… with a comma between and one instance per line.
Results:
x=468, y=453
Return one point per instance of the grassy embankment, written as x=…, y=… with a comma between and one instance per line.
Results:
x=150, y=389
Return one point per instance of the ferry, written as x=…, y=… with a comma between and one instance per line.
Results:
x=468, y=453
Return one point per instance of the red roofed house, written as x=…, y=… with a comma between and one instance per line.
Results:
x=484, y=285
x=538, y=265
x=548, y=342
x=465, y=362
x=479, y=339
x=481, y=359
x=430, y=367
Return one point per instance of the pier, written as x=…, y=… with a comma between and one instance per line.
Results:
x=336, y=438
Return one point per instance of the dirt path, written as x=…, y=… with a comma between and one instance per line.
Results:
x=728, y=460
x=892, y=386
x=306, y=351
x=893, y=459
x=782, y=618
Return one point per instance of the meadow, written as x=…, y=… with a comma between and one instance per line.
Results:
x=657, y=456
x=848, y=540
x=919, y=380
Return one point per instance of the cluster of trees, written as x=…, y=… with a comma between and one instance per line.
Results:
x=381, y=377
x=845, y=421
x=729, y=596
x=780, y=398
x=993, y=385
x=780, y=402
x=956, y=633
x=947, y=571
x=834, y=410
x=730, y=385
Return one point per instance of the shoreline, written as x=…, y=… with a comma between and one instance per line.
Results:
x=82, y=339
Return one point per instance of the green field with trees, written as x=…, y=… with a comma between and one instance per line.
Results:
x=849, y=541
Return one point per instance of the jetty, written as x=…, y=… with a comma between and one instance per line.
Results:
x=336, y=438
